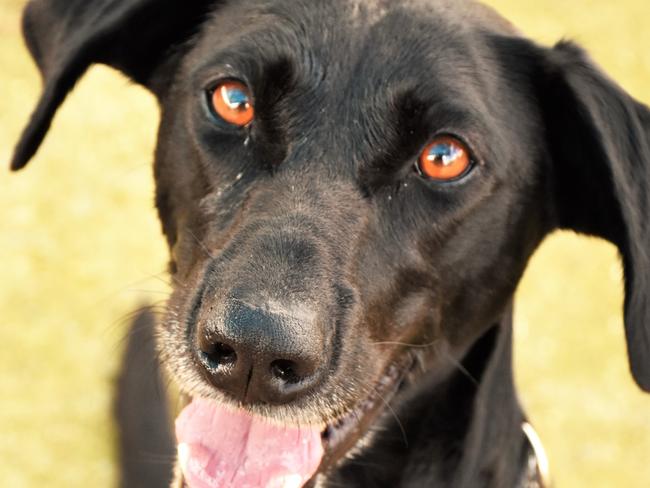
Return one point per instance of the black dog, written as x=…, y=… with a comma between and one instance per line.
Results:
x=351, y=191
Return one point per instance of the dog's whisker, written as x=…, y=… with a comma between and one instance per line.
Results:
x=406, y=344
x=441, y=352
x=207, y=251
x=132, y=286
x=166, y=382
x=395, y=416
x=154, y=309
x=159, y=278
x=145, y=290
x=157, y=459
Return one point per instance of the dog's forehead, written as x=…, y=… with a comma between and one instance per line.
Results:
x=471, y=13
x=468, y=12
x=334, y=20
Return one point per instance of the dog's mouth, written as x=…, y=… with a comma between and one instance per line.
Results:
x=219, y=446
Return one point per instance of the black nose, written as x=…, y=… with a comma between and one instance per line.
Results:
x=260, y=356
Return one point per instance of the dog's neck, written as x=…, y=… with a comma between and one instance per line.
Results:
x=463, y=431
x=495, y=450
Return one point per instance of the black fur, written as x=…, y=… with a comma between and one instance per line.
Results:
x=316, y=210
x=145, y=439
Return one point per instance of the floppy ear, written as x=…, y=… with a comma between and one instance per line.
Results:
x=66, y=36
x=599, y=140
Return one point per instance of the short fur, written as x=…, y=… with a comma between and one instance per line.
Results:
x=316, y=211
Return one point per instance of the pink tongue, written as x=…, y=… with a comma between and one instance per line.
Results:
x=222, y=448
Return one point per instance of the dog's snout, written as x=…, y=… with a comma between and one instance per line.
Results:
x=260, y=356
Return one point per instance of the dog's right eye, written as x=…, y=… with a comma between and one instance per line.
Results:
x=232, y=102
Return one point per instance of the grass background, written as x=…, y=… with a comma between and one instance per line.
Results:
x=81, y=248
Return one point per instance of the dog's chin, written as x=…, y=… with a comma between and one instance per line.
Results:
x=223, y=446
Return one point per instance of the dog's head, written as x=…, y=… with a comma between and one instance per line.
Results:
x=340, y=181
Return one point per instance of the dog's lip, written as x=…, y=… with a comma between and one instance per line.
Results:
x=344, y=433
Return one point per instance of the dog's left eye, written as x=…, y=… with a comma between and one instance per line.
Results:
x=232, y=102
x=446, y=158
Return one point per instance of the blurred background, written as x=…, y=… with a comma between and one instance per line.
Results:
x=81, y=249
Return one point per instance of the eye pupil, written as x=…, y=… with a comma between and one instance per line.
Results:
x=444, y=154
x=236, y=98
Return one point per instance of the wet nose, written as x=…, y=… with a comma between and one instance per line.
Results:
x=259, y=356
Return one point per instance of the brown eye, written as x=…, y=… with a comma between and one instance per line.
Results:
x=231, y=100
x=444, y=159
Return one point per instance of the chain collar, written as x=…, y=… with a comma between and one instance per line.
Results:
x=537, y=473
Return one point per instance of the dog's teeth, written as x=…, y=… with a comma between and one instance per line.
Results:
x=289, y=481
x=183, y=456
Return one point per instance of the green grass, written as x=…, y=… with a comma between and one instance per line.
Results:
x=81, y=249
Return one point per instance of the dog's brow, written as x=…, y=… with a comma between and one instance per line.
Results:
x=215, y=68
x=414, y=121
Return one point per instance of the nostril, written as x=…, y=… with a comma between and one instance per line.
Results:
x=285, y=370
x=219, y=354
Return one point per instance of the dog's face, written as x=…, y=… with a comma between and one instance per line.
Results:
x=314, y=226
x=351, y=190
x=317, y=215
